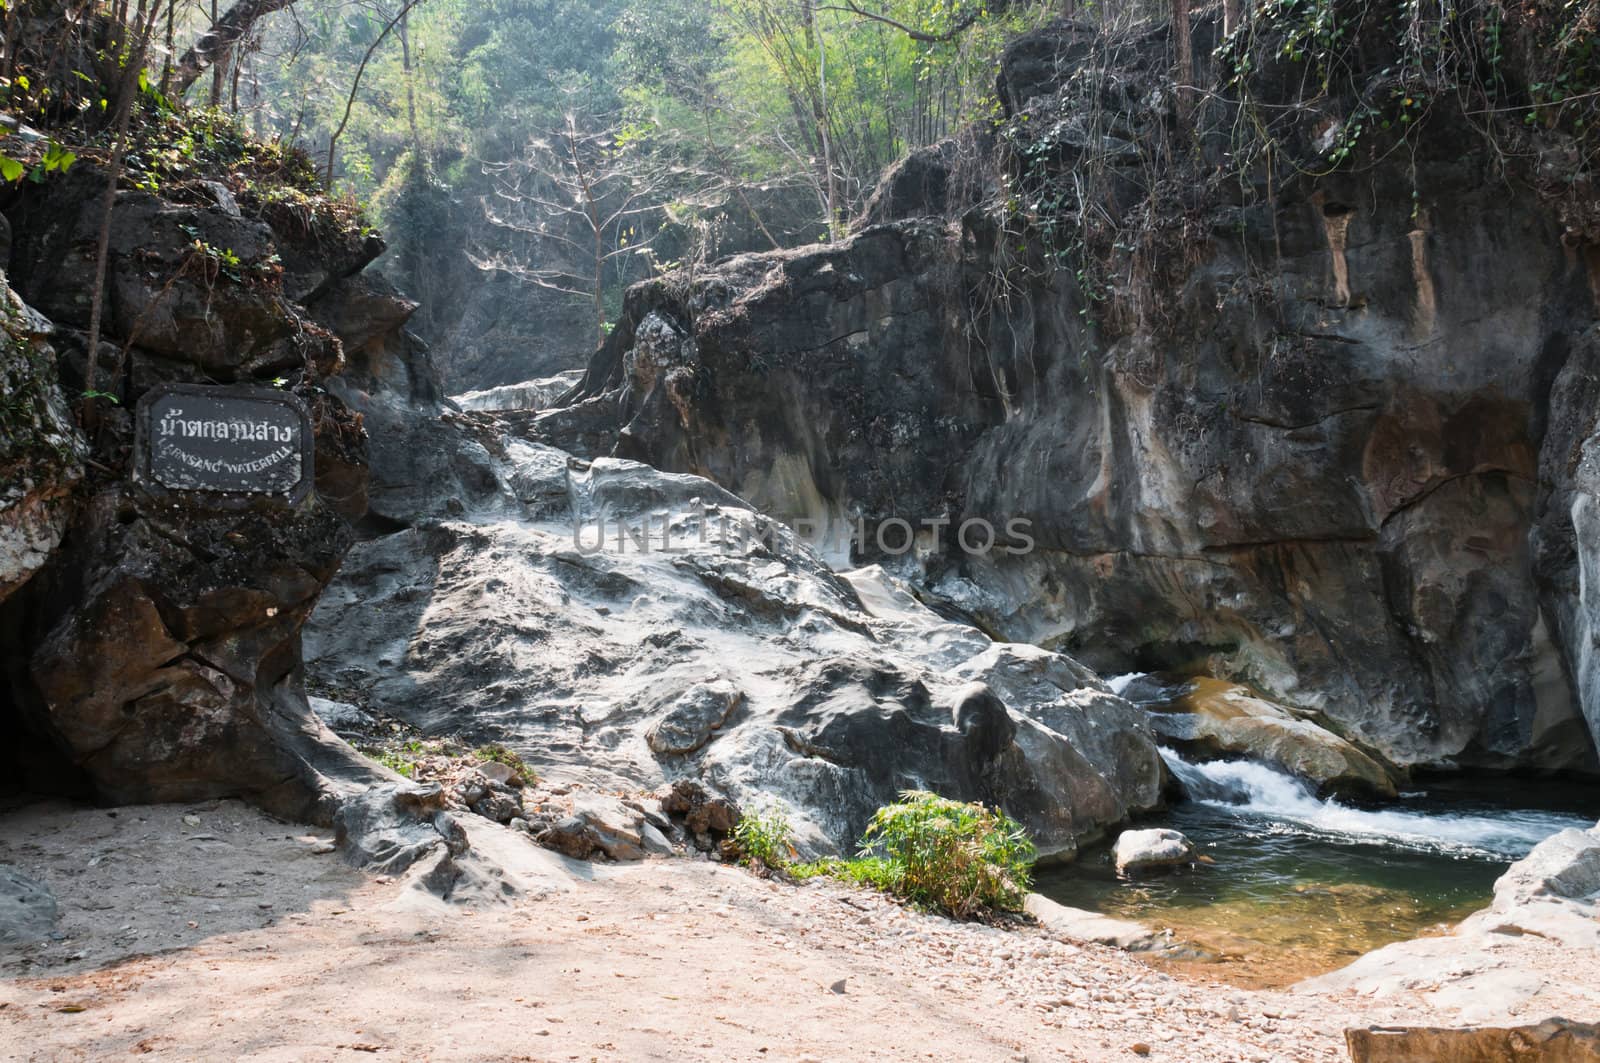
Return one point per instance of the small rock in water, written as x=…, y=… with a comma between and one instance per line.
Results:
x=1157, y=849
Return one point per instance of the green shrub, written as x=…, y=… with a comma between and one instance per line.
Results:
x=391, y=759
x=960, y=858
x=872, y=872
x=764, y=838
x=499, y=754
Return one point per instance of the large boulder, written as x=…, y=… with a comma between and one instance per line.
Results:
x=620, y=627
x=1211, y=719
x=1230, y=454
x=154, y=653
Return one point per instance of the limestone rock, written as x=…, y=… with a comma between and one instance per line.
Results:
x=340, y=716
x=390, y=828
x=1211, y=719
x=1260, y=480
x=688, y=721
x=1156, y=849
x=712, y=645
x=28, y=910
x=1551, y=1041
x=598, y=824
x=1565, y=866
x=41, y=451
x=1077, y=925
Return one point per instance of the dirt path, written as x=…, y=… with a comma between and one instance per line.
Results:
x=216, y=933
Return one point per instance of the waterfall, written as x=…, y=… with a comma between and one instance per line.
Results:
x=1281, y=803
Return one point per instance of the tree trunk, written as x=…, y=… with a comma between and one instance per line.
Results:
x=133, y=63
x=1182, y=43
x=411, y=91
x=220, y=70
x=824, y=132
x=599, y=287
x=355, y=86
x=225, y=32
x=1230, y=17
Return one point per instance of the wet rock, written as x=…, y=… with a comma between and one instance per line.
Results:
x=530, y=396
x=1157, y=849
x=1212, y=719
x=28, y=911
x=1551, y=1041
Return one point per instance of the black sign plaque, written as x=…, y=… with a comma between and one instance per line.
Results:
x=231, y=442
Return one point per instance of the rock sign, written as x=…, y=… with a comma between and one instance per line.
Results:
x=231, y=442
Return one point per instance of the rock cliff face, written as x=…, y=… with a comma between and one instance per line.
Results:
x=1320, y=434
x=152, y=644
x=40, y=448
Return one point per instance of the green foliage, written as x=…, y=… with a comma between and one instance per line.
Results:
x=868, y=872
x=960, y=858
x=765, y=838
x=394, y=760
x=1395, y=63
x=499, y=754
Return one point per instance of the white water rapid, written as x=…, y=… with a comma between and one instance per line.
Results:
x=1284, y=804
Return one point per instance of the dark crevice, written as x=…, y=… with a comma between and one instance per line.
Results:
x=1270, y=423
x=32, y=761
x=1435, y=488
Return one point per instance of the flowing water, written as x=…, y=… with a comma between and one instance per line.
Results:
x=1301, y=885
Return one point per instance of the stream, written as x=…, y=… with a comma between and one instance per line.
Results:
x=1300, y=885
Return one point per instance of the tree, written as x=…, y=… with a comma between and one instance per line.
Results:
x=584, y=201
x=214, y=45
x=361, y=72
x=135, y=35
x=959, y=19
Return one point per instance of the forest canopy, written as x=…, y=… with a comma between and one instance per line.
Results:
x=511, y=128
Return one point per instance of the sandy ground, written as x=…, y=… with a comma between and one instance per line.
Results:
x=213, y=932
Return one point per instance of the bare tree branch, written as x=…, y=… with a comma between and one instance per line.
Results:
x=350, y=103
x=962, y=25
x=234, y=25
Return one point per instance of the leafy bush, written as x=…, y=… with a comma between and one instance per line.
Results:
x=499, y=754
x=393, y=760
x=961, y=858
x=764, y=838
x=872, y=872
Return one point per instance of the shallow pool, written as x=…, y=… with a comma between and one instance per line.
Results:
x=1300, y=886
